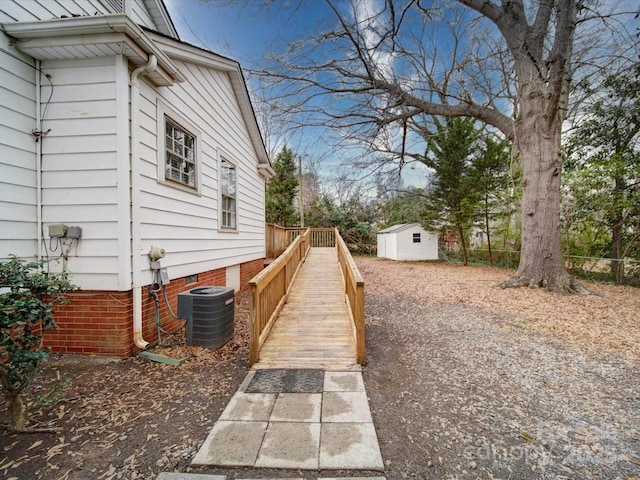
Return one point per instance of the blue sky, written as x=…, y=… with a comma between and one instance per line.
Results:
x=245, y=34
x=238, y=32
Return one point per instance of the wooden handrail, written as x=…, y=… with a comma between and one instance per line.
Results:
x=269, y=291
x=354, y=292
x=323, y=237
x=278, y=238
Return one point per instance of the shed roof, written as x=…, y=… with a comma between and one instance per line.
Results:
x=400, y=227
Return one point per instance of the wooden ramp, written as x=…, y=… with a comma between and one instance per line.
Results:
x=314, y=328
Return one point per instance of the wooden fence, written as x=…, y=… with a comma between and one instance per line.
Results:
x=276, y=240
x=269, y=290
x=354, y=291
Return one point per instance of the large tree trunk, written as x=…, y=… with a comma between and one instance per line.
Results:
x=538, y=142
x=463, y=244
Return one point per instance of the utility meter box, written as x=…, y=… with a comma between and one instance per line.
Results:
x=57, y=230
x=210, y=315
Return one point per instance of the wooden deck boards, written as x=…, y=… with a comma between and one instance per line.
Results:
x=314, y=328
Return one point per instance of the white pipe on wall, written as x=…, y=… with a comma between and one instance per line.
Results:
x=38, y=162
x=136, y=252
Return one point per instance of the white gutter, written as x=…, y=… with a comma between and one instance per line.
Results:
x=135, y=201
x=39, y=162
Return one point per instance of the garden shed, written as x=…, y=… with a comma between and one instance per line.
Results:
x=407, y=241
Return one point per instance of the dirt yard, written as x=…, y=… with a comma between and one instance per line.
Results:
x=465, y=381
x=470, y=381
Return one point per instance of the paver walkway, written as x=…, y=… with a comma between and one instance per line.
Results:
x=295, y=425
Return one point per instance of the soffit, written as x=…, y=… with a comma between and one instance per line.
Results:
x=92, y=37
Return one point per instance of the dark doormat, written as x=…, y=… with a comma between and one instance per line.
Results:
x=281, y=380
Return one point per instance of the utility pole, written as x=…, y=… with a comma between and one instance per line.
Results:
x=301, y=207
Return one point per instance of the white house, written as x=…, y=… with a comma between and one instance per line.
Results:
x=407, y=241
x=110, y=123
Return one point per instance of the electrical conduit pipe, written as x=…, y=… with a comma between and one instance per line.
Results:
x=136, y=266
x=39, y=160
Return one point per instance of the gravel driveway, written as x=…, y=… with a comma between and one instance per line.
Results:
x=462, y=391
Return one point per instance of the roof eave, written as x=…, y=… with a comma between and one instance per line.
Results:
x=189, y=53
x=63, y=32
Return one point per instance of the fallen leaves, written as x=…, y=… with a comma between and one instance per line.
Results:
x=609, y=320
x=129, y=418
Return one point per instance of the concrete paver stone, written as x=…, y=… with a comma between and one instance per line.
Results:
x=350, y=446
x=297, y=407
x=345, y=407
x=343, y=382
x=249, y=407
x=329, y=430
x=231, y=443
x=247, y=380
x=290, y=445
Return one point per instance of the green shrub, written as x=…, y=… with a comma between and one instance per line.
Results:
x=28, y=295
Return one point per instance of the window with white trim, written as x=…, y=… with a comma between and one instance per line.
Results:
x=416, y=238
x=228, y=197
x=180, y=154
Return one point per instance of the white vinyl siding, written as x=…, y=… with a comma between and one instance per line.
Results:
x=32, y=10
x=18, y=228
x=188, y=226
x=141, y=16
x=81, y=176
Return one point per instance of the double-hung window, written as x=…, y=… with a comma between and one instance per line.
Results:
x=180, y=154
x=228, y=197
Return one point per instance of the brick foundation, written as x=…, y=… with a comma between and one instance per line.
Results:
x=249, y=270
x=101, y=322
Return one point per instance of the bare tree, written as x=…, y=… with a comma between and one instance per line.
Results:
x=378, y=73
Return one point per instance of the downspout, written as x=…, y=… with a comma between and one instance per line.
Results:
x=39, y=163
x=136, y=267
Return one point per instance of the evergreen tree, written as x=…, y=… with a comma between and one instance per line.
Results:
x=491, y=172
x=282, y=190
x=405, y=207
x=452, y=197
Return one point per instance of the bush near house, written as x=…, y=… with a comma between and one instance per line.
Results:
x=28, y=294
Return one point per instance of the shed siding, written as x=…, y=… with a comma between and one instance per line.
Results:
x=398, y=244
x=18, y=228
x=186, y=224
x=407, y=250
x=80, y=165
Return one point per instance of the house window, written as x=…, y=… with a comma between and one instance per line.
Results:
x=416, y=238
x=228, y=197
x=180, y=151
